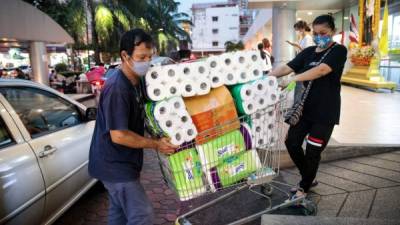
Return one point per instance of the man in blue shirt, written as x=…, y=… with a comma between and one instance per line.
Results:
x=116, y=151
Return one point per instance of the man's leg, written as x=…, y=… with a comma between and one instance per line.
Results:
x=135, y=204
x=294, y=142
x=316, y=142
x=116, y=215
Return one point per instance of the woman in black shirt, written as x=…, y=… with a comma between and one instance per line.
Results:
x=322, y=106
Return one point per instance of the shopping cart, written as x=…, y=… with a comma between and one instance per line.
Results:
x=243, y=159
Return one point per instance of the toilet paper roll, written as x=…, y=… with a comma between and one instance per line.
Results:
x=188, y=89
x=243, y=76
x=200, y=69
x=190, y=133
x=202, y=86
x=169, y=125
x=248, y=107
x=216, y=79
x=272, y=83
x=240, y=59
x=177, y=105
x=243, y=91
x=272, y=98
x=187, y=71
x=177, y=138
x=255, y=72
x=260, y=86
x=155, y=76
x=171, y=72
x=156, y=92
x=230, y=77
x=162, y=110
x=227, y=60
x=253, y=57
x=261, y=102
x=173, y=88
x=214, y=63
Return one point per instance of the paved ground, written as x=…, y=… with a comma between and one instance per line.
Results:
x=364, y=187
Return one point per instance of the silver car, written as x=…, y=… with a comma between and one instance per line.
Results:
x=44, y=145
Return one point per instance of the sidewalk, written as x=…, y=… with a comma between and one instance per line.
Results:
x=365, y=187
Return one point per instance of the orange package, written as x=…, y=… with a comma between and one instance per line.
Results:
x=213, y=114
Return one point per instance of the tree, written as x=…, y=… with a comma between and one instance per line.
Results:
x=164, y=23
x=231, y=46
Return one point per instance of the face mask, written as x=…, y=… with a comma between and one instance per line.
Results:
x=322, y=41
x=140, y=68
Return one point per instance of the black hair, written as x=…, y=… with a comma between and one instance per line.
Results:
x=327, y=19
x=260, y=46
x=133, y=38
x=302, y=25
x=101, y=64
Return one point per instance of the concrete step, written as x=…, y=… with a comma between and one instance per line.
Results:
x=269, y=219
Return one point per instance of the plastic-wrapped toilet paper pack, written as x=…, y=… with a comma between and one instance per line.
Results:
x=212, y=152
x=234, y=169
x=170, y=118
x=186, y=173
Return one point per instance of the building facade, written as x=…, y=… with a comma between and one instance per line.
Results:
x=214, y=25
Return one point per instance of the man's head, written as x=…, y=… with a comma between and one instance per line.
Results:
x=136, y=50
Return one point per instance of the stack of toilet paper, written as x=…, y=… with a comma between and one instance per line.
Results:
x=255, y=95
x=236, y=68
x=170, y=118
x=186, y=174
x=185, y=79
x=261, y=127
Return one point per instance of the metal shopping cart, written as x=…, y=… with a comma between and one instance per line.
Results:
x=245, y=158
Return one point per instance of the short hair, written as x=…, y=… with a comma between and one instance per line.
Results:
x=101, y=64
x=260, y=46
x=325, y=19
x=302, y=25
x=266, y=43
x=133, y=38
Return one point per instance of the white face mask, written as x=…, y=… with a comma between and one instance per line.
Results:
x=141, y=68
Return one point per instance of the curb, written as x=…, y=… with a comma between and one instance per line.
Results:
x=332, y=153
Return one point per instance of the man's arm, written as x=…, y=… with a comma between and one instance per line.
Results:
x=281, y=70
x=132, y=140
x=314, y=73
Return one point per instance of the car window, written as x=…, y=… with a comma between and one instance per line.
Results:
x=5, y=136
x=41, y=112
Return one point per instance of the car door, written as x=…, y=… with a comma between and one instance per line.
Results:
x=55, y=130
x=22, y=190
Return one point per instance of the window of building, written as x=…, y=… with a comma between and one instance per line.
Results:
x=215, y=18
x=215, y=43
x=215, y=31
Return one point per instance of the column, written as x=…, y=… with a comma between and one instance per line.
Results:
x=38, y=58
x=283, y=19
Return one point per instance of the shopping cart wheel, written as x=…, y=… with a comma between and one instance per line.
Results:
x=267, y=189
x=182, y=221
x=309, y=208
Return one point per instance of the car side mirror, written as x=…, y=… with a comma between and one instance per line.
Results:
x=91, y=113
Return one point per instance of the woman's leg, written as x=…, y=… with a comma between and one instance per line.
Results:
x=294, y=142
x=316, y=143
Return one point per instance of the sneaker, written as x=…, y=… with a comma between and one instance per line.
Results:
x=294, y=189
x=298, y=194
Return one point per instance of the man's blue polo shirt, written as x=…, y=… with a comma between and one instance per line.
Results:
x=120, y=108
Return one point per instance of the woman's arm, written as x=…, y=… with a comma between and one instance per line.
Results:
x=280, y=71
x=314, y=73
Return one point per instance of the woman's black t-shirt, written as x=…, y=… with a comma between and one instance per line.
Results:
x=323, y=101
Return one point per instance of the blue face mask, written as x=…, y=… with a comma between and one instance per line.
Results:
x=322, y=41
x=141, y=68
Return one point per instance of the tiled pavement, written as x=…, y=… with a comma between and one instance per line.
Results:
x=365, y=187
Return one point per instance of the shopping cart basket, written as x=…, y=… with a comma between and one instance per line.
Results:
x=244, y=158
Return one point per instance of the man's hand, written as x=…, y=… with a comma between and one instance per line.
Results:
x=164, y=146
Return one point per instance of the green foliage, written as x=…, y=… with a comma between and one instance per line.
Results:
x=231, y=46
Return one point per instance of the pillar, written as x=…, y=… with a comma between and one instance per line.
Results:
x=283, y=19
x=38, y=58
